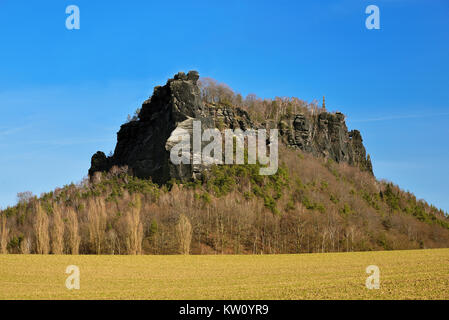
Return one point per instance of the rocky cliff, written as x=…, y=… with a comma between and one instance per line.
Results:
x=326, y=135
x=144, y=144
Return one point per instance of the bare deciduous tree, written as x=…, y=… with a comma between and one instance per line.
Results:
x=4, y=236
x=73, y=230
x=25, y=246
x=184, y=232
x=57, y=231
x=96, y=216
x=24, y=197
x=41, y=230
x=135, y=227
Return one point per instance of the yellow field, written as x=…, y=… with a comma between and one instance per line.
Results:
x=416, y=274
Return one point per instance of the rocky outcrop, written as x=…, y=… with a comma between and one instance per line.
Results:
x=229, y=117
x=326, y=135
x=144, y=145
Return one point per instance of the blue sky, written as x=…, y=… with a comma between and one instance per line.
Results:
x=64, y=94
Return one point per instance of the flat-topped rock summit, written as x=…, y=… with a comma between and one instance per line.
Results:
x=144, y=144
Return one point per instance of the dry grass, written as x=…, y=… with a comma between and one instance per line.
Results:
x=414, y=274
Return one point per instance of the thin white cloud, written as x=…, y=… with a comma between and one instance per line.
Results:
x=68, y=142
x=60, y=143
x=404, y=116
x=10, y=131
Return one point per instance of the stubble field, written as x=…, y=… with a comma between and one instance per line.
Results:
x=414, y=274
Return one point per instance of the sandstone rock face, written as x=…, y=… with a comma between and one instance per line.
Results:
x=325, y=134
x=144, y=145
x=141, y=144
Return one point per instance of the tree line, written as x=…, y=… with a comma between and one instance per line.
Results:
x=310, y=205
